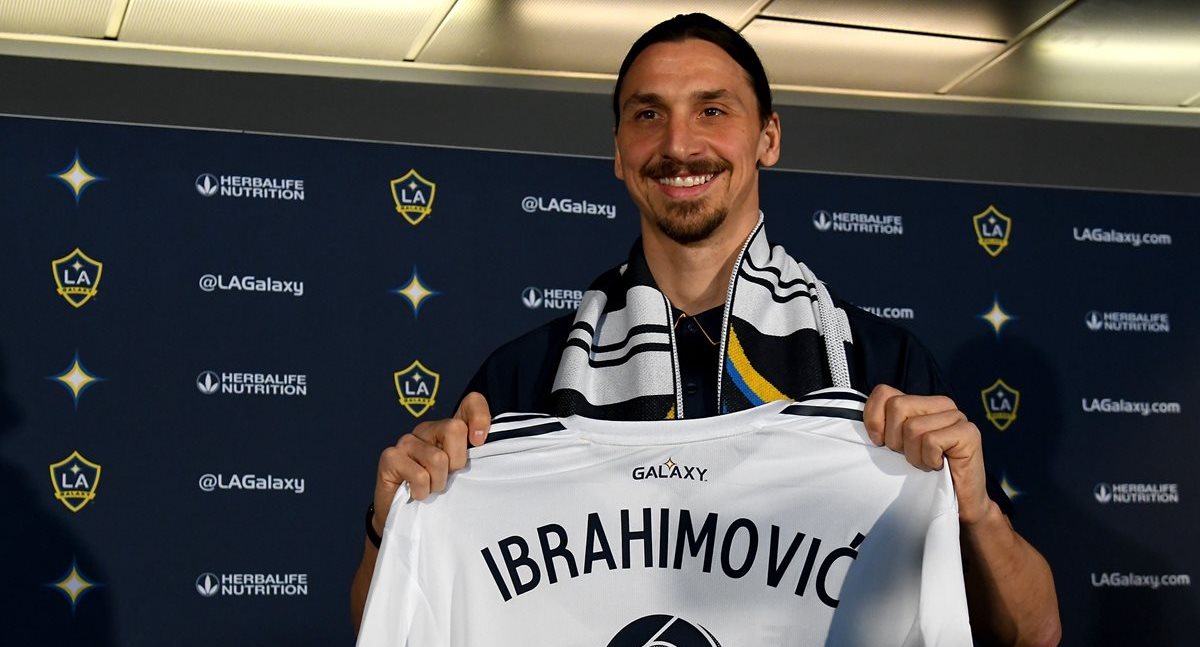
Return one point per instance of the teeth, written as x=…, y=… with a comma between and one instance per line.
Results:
x=685, y=181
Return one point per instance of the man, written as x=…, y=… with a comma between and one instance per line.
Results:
x=693, y=124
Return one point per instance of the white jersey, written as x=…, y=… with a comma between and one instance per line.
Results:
x=779, y=525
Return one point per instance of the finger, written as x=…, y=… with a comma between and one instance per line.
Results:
x=899, y=409
x=450, y=435
x=433, y=460
x=959, y=443
x=960, y=446
x=452, y=439
x=873, y=411
x=915, y=429
x=439, y=432
x=396, y=467
x=932, y=448
x=474, y=411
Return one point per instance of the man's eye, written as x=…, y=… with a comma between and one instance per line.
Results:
x=643, y=115
x=712, y=112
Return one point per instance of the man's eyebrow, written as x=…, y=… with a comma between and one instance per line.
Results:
x=711, y=95
x=652, y=98
x=642, y=99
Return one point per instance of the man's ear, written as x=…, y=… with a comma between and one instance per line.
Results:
x=617, y=158
x=769, y=141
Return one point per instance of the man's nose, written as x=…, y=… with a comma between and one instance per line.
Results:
x=682, y=141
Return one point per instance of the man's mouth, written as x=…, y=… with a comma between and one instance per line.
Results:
x=686, y=180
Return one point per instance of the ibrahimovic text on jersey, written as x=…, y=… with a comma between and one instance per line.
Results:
x=782, y=524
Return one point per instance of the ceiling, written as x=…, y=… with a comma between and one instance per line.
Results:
x=1132, y=55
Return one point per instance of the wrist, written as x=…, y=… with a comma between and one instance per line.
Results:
x=987, y=515
x=373, y=527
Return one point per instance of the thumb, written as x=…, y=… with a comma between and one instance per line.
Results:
x=387, y=482
x=474, y=411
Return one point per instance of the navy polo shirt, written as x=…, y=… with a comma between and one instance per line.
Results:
x=519, y=375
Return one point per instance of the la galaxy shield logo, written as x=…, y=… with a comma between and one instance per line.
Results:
x=77, y=276
x=74, y=479
x=417, y=388
x=992, y=229
x=1000, y=403
x=413, y=195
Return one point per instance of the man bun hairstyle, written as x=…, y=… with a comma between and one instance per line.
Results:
x=702, y=27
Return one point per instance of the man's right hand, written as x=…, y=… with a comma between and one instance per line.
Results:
x=425, y=458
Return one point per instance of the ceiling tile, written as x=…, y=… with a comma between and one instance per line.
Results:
x=80, y=18
x=371, y=29
x=560, y=35
x=861, y=59
x=1104, y=51
x=991, y=19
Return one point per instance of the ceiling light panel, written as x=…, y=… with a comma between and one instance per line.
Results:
x=1104, y=51
x=862, y=59
x=369, y=29
x=557, y=35
x=80, y=18
x=986, y=19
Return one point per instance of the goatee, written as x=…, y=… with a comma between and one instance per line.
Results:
x=690, y=221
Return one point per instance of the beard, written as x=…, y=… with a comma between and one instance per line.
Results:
x=689, y=221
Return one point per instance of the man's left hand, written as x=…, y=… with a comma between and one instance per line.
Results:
x=926, y=428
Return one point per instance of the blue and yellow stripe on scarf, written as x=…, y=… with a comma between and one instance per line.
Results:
x=748, y=380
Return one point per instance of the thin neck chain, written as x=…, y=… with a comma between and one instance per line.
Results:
x=697, y=323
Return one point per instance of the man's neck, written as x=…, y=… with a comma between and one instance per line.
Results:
x=695, y=277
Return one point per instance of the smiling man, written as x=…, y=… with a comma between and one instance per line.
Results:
x=676, y=332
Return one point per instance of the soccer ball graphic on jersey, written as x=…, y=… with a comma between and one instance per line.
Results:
x=663, y=631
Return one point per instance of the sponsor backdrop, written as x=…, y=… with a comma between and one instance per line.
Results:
x=209, y=337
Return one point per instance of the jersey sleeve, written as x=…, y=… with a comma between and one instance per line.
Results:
x=398, y=611
x=942, y=611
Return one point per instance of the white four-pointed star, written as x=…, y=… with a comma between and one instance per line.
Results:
x=997, y=317
x=1009, y=491
x=77, y=177
x=415, y=291
x=73, y=584
x=76, y=378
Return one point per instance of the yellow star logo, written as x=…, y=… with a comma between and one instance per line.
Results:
x=416, y=292
x=73, y=585
x=76, y=378
x=670, y=464
x=997, y=317
x=77, y=177
x=1009, y=491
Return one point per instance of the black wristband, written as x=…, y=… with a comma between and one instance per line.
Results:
x=371, y=534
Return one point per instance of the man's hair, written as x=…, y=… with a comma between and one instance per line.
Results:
x=702, y=27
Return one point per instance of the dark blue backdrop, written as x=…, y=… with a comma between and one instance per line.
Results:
x=227, y=514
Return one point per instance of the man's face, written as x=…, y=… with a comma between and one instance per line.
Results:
x=689, y=139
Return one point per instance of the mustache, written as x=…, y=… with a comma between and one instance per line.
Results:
x=667, y=167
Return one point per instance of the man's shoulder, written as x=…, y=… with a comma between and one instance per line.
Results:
x=535, y=343
x=519, y=374
x=871, y=327
x=884, y=352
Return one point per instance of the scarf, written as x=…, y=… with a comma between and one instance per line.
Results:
x=781, y=337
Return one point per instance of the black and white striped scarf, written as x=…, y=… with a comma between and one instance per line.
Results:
x=781, y=337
